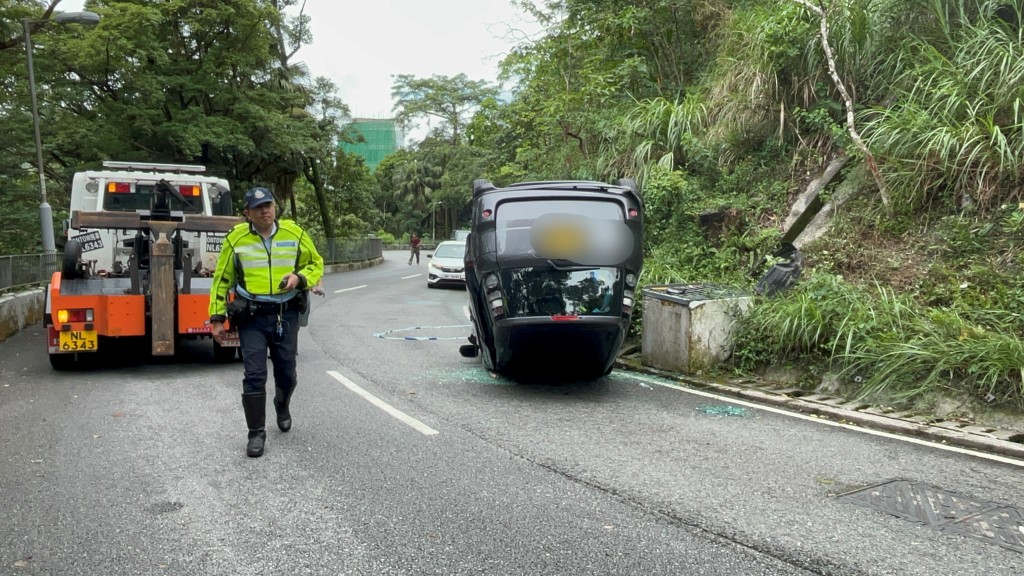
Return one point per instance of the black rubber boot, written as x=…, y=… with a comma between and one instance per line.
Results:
x=282, y=398
x=255, y=406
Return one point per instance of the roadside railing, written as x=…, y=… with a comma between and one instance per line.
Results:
x=342, y=250
x=25, y=270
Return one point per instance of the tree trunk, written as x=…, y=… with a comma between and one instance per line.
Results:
x=321, y=200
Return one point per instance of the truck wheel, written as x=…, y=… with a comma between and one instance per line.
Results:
x=223, y=354
x=63, y=362
x=72, y=255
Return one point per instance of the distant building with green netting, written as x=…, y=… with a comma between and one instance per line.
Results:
x=382, y=136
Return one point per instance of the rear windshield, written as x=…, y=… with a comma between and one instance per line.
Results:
x=450, y=251
x=544, y=291
x=513, y=220
x=140, y=199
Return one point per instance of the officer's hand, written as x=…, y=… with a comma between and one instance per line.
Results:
x=289, y=282
x=217, y=329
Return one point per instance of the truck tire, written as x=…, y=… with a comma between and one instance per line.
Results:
x=223, y=354
x=63, y=362
x=72, y=256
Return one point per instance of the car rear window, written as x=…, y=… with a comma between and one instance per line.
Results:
x=543, y=291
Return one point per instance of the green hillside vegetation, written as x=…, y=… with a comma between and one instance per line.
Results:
x=724, y=111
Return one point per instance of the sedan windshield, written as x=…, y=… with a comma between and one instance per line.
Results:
x=450, y=251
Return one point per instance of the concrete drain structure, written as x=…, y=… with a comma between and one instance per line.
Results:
x=945, y=511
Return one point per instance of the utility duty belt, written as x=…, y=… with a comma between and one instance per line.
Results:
x=266, y=308
x=240, y=310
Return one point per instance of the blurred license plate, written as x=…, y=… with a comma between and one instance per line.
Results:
x=561, y=242
x=76, y=340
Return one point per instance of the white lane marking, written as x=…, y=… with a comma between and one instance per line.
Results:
x=413, y=276
x=347, y=289
x=401, y=416
x=728, y=400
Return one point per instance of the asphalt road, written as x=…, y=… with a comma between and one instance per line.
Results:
x=405, y=458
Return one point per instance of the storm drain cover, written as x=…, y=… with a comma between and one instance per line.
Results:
x=941, y=510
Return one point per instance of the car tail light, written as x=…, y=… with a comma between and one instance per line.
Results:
x=491, y=282
x=190, y=191
x=75, y=315
x=564, y=317
x=119, y=187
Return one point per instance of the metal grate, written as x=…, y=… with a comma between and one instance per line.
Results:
x=685, y=293
x=941, y=510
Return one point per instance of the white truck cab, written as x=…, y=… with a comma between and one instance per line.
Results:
x=128, y=187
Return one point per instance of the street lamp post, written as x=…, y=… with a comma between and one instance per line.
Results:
x=45, y=214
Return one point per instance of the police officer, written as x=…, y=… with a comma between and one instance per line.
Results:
x=268, y=263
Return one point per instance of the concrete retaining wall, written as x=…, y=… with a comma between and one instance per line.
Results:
x=25, y=308
x=19, y=310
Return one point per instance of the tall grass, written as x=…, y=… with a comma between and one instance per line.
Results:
x=886, y=346
x=955, y=126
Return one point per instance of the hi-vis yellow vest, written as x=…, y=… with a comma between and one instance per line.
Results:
x=247, y=262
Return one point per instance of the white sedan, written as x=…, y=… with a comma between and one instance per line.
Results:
x=447, y=264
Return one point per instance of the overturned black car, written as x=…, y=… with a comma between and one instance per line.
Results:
x=551, y=270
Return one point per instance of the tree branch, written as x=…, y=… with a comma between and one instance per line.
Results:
x=847, y=100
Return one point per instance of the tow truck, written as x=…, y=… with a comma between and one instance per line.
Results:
x=142, y=244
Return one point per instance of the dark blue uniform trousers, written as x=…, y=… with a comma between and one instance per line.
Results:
x=257, y=336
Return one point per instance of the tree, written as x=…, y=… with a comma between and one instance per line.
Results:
x=330, y=113
x=450, y=99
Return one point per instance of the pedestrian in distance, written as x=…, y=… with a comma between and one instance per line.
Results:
x=269, y=265
x=414, y=248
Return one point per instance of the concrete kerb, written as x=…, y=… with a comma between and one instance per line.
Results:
x=26, y=308
x=989, y=440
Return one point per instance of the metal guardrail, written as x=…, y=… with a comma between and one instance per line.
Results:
x=24, y=270
x=342, y=250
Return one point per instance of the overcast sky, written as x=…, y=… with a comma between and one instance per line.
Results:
x=361, y=45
